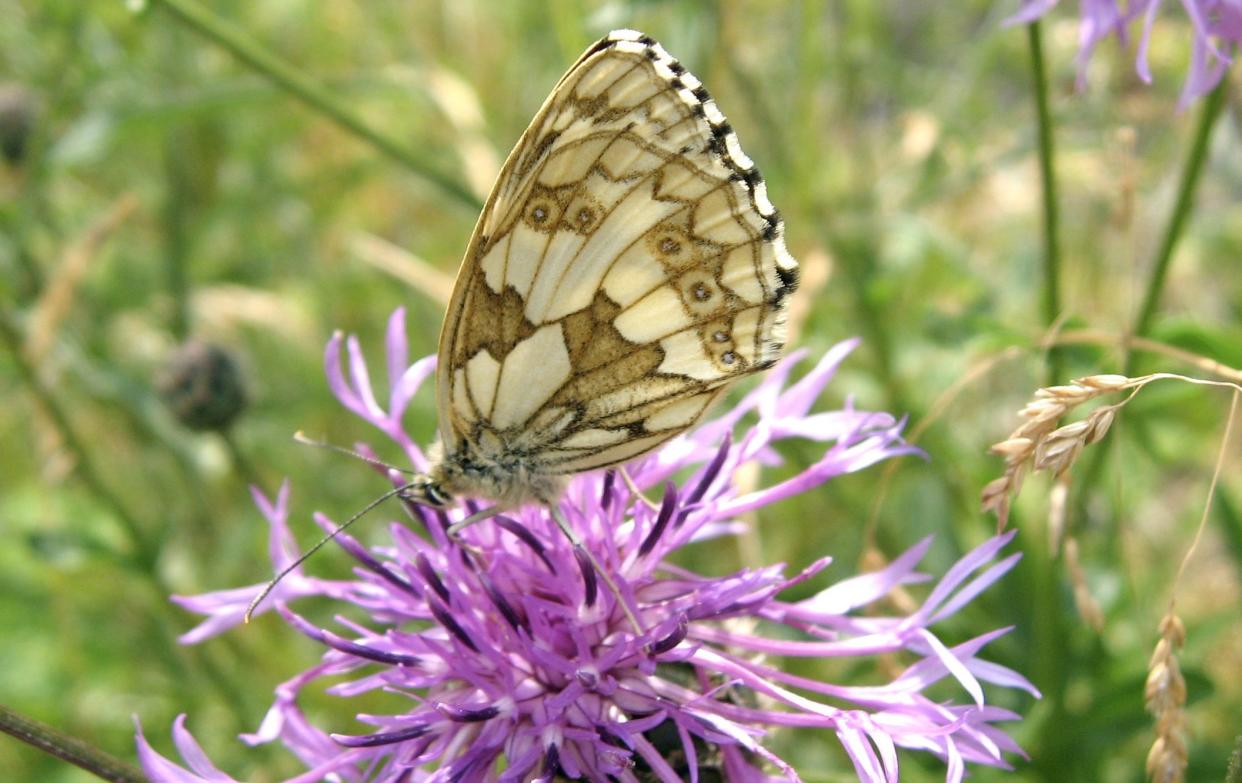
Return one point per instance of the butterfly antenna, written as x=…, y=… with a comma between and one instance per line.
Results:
x=306, y=555
x=301, y=437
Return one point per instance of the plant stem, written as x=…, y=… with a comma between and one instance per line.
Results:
x=1196, y=158
x=317, y=97
x=1048, y=185
x=176, y=235
x=240, y=463
x=143, y=553
x=1145, y=345
x=1195, y=161
x=71, y=749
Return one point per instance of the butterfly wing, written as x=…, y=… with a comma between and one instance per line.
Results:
x=626, y=267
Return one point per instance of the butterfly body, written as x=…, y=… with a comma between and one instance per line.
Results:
x=504, y=475
x=626, y=267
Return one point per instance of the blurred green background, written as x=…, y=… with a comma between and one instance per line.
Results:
x=168, y=191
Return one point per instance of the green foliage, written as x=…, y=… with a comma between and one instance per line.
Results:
x=900, y=142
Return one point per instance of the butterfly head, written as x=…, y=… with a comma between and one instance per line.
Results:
x=426, y=490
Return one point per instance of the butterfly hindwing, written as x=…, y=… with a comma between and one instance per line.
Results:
x=627, y=265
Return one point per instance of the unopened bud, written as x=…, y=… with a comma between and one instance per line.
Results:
x=18, y=111
x=202, y=385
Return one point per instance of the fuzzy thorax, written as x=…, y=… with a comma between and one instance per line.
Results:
x=503, y=477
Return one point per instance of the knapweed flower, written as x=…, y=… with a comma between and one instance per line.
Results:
x=1215, y=28
x=519, y=666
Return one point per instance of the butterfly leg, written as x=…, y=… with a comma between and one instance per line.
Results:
x=477, y=516
x=635, y=491
x=563, y=524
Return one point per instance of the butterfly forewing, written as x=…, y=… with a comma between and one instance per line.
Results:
x=627, y=265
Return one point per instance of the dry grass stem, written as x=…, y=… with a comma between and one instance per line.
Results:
x=405, y=266
x=460, y=104
x=54, y=305
x=1041, y=443
x=1166, y=698
x=1100, y=337
x=1058, y=503
x=749, y=542
x=58, y=299
x=1124, y=154
x=938, y=408
x=224, y=308
x=816, y=269
x=1166, y=688
x=1088, y=607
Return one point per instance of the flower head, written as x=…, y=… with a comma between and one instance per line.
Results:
x=519, y=666
x=1215, y=33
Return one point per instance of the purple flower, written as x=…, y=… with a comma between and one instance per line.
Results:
x=226, y=608
x=519, y=666
x=1215, y=29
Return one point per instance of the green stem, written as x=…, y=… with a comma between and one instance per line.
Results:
x=17, y=226
x=71, y=749
x=288, y=78
x=1196, y=158
x=241, y=464
x=1048, y=183
x=143, y=552
x=176, y=235
x=1195, y=161
x=857, y=251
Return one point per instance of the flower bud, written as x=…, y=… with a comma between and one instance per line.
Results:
x=18, y=111
x=202, y=385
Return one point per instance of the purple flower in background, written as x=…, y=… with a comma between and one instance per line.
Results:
x=1215, y=29
x=518, y=666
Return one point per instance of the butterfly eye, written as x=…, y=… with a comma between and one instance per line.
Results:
x=720, y=336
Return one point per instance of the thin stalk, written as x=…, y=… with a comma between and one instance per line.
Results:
x=241, y=464
x=17, y=227
x=176, y=235
x=143, y=552
x=1195, y=161
x=313, y=94
x=1196, y=158
x=70, y=749
x=179, y=199
x=859, y=267
x=1048, y=186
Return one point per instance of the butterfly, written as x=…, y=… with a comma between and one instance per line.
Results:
x=626, y=268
